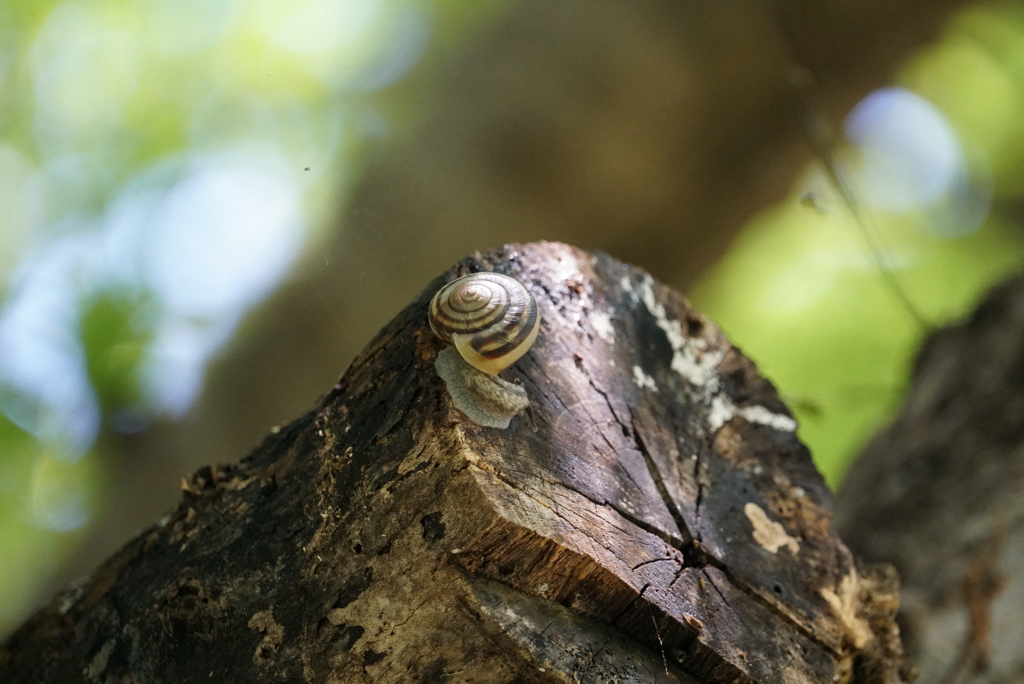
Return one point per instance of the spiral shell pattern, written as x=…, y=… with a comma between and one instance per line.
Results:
x=490, y=318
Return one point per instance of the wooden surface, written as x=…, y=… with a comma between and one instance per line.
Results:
x=662, y=524
x=940, y=493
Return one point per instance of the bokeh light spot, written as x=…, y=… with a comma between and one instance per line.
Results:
x=87, y=66
x=910, y=154
x=222, y=238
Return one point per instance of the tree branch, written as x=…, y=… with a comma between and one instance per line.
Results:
x=663, y=523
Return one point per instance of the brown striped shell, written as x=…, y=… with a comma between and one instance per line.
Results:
x=490, y=318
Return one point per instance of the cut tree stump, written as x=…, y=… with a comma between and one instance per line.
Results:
x=660, y=523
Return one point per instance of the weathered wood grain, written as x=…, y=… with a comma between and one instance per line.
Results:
x=661, y=522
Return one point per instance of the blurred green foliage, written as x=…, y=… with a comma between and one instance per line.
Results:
x=115, y=333
x=802, y=294
x=112, y=114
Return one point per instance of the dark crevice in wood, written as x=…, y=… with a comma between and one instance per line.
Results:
x=655, y=560
x=614, y=620
x=651, y=529
x=659, y=482
x=590, y=379
x=698, y=501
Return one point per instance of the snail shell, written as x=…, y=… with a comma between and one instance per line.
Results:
x=490, y=318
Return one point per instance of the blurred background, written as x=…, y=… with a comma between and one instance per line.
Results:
x=207, y=207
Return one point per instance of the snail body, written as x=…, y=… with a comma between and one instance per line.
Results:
x=486, y=400
x=491, y=320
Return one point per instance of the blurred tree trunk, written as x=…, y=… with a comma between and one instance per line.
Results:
x=650, y=129
x=661, y=524
x=940, y=493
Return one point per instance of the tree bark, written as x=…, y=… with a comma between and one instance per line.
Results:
x=940, y=493
x=661, y=524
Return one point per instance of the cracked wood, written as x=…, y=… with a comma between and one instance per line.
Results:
x=382, y=537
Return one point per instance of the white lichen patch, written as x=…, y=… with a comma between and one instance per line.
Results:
x=698, y=365
x=722, y=410
x=98, y=665
x=702, y=370
x=846, y=603
x=762, y=416
x=643, y=379
x=698, y=370
x=602, y=324
x=770, y=535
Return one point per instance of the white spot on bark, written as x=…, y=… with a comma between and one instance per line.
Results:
x=98, y=665
x=602, y=324
x=643, y=379
x=762, y=416
x=699, y=371
x=722, y=410
x=769, y=534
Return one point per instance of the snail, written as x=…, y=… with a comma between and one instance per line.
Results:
x=490, y=320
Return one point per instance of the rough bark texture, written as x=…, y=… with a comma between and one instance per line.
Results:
x=662, y=524
x=940, y=493
x=650, y=129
